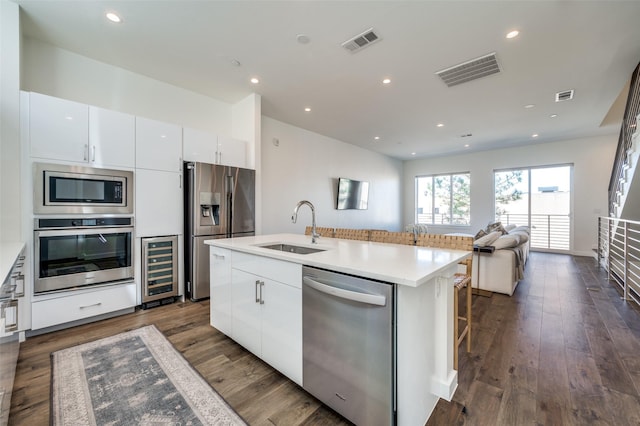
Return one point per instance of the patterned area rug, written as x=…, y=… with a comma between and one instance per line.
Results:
x=133, y=378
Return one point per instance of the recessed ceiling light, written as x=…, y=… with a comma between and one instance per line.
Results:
x=413, y=153
x=255, y=80
x=113, y=17
x=513, y=34
x=376, y=138
x=466, y=145
x=553, y=115
x=535, y=135
x=307, y=109
x=386, y=81
x=68, y=117
x=440, y=125
x=529, y=106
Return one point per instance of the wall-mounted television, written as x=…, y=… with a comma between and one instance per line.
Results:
x=352, y=194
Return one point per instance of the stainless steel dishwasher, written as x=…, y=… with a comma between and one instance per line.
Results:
x=348, y=345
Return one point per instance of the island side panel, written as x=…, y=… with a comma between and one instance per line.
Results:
x=424, y=347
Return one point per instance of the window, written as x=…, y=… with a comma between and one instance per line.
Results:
x=539, y=197
x=443, y=199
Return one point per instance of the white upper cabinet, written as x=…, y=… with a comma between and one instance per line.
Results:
x=158, y=145
x=70, y=131
x=209, y=148
x=58, y=128
x=232, y=152
x=111, y=138
x=199, y=146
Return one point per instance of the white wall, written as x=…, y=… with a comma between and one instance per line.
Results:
x=306, y=165
x=57, y=72
x=592, y=159
x=10, y=191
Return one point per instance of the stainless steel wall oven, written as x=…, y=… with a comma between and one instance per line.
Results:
x=75, y=253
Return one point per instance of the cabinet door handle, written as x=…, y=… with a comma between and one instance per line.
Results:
x=86, y=153
x=261, y=286
x=93, y=155
x=258, y=297
x=89, y=306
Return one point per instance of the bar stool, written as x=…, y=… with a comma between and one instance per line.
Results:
x=461, y=281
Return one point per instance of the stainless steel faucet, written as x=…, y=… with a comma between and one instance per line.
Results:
x=294, y=217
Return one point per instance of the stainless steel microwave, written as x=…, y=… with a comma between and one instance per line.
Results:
x=64, y=189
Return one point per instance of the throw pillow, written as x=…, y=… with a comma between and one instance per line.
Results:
x=507, y=241
x=487, y=240
x=481, y=233
x=496, y=226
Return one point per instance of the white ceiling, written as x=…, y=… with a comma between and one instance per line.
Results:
x=589, y=46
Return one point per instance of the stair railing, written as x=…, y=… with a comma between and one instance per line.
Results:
x=627, y=129
x=619, y=254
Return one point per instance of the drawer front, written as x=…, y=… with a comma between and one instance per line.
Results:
x=278, y=270
x=64, y=309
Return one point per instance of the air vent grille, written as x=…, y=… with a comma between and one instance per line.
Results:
x=470, y=70
x=564, y=96
x=360, y=41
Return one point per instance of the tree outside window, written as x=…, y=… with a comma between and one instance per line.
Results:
x=443, y=199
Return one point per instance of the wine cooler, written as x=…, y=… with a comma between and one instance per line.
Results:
x=159, y=271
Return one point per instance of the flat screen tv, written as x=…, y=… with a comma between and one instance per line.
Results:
x=352, y=194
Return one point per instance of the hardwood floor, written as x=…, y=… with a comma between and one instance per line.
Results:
x=564, y=350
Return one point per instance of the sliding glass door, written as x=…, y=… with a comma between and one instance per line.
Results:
x=538, y=197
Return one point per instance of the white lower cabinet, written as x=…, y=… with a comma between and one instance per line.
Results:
x=267, y=320
x=67, y=308
x=220, y=281
x=257, y=301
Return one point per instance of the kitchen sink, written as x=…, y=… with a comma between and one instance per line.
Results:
x=290, y=248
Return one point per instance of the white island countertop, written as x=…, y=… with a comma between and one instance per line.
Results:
x=399, y=264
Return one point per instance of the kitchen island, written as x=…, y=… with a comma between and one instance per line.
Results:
x=256, y=299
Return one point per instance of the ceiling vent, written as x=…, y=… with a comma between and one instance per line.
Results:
x=564, y=96
x=470, y=70
x=365, y=39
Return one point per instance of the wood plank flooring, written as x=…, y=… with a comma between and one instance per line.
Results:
x=564, y=350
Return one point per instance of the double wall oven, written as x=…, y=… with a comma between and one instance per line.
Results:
x=83, y=233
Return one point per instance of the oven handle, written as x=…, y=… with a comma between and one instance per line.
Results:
x=83, y=231
x=367, y=298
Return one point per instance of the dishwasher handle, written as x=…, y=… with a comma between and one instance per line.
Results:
x=370, y=299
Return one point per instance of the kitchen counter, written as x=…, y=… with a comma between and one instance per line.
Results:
x=399, y=264
x=256, y=299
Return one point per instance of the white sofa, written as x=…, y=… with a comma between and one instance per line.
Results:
x=501, y=270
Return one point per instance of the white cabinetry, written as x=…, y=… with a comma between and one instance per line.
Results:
x=232, y=152
x=58, y=128
x=67, y=308
x=70, y=131
x=111, y=138
x=158, y=203
x=210, y=148
x=199, y=146
x=220, y=279
x=158, y=145
x=265, y=307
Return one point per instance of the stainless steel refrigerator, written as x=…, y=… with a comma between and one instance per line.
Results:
x=219, y=203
